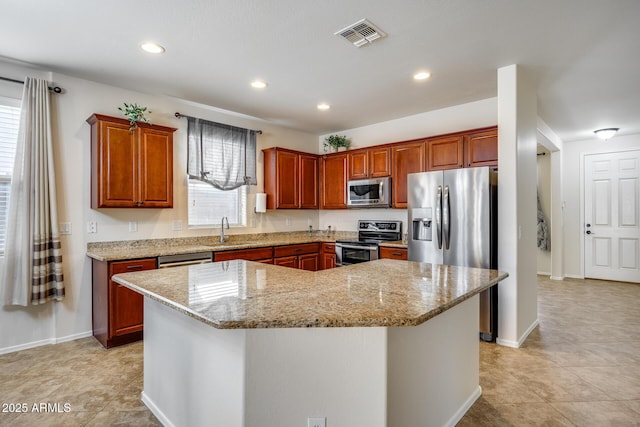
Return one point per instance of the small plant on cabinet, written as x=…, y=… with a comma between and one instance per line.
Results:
x=134, y=113
x=336, y=142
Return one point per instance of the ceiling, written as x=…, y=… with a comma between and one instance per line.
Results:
x=582, y=55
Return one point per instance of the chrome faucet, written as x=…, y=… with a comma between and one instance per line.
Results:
x=223, y=238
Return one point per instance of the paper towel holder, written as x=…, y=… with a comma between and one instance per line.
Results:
x=261, y=203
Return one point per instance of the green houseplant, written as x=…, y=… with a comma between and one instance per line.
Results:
x=335, y=142
x=134, y=113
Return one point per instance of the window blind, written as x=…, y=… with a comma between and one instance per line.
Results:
x=223, y=156
x=9, y=122
x=207, y=205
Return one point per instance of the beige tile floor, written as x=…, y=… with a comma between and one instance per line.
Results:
x=581, y=367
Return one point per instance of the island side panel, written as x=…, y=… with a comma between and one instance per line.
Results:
x=296, y=373
x=193, y=373
x=434, y=368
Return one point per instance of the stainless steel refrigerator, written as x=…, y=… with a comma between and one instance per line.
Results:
x=453, y=221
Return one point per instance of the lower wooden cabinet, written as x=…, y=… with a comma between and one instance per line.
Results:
x=393, y=253
x=328, y=255
x=117, y=310
x=257, y=254
x=305, y=256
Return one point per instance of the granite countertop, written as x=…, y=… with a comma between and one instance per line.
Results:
x=243, y=294
x=133, y=249
x=394, y=244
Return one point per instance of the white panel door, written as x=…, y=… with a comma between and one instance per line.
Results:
x=612, y=216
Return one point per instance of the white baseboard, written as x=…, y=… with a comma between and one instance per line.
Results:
x=455, y=418
x=574, y=276
x=523, y=337
x=48, y=341
x=155, y=410
x=543, y=273
x=556, y=277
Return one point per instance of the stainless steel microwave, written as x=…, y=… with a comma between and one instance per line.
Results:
x=369, y=193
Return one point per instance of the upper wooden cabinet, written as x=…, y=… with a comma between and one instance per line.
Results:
x=481, y=148
x=290, y=179
x=334, y=181
x=406, y=158
x=130, y=168
x=445, y=153
x=369, y=163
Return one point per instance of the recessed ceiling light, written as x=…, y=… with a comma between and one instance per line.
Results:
x=323, y=106
x=151, y=47
x=258, y=84
x=422, y=75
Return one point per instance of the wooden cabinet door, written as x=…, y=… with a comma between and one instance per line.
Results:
x=309, y=262
x=328, y=260
x=379, y=162
x=393, y=253
x=309, y=174
x=115, y=167
x=287, y=261
x=334, y=181
x=126, y=306
x=155, y=177
x=445, y=153
x=287, y=192
x=358, y=164
x=253, y=254
x=481, y=148
x=406, y=158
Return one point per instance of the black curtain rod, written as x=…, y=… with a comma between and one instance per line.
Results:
x=180, y=116
x=55, y=89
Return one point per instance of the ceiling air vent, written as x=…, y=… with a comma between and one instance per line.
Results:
x=361, y=33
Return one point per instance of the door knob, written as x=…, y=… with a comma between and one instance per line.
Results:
x=588, y=225
x=588, y=231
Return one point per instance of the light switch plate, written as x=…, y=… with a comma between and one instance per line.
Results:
x=64, y=228
x=317, y=422
x=133, y=226
x=92, y=227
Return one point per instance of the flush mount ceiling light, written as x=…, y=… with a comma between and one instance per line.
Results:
x=361, y=33
x=422, y=75
x=258, y=84
x=606, y=133
x=323, y=106
x=151, y=47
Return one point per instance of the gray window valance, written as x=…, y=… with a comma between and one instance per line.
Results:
x=221, y=155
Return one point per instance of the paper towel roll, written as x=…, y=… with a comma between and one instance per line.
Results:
x=261, y=202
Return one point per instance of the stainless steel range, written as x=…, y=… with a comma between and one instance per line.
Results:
x=365, y=247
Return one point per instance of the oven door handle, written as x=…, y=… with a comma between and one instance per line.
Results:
x=367, y=248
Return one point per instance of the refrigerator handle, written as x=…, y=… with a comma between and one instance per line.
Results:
x=446, y=217
x=439, y=216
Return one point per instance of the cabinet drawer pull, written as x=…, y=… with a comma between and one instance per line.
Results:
x=298, y=249
x=134, y=267
x=396, y=253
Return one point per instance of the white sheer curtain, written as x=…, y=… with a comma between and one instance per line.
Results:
x=33, y=258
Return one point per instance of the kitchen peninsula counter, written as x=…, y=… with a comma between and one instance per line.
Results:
x=239, y=343
x=241, y=294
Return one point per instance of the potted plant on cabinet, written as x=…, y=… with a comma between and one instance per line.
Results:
x=134, y=113
x=336, y=142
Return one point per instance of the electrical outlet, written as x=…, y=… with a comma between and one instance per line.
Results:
x=92, y=227
x=317, y=422
x=64, y=228
x=176, y=225
x=287, y=221
x=133, y=226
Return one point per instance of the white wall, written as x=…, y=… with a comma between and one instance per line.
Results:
x=572, y=165
x=452, y=119
x=20, y=327
x=517, y=123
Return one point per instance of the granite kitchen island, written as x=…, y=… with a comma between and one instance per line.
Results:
x=241, y=343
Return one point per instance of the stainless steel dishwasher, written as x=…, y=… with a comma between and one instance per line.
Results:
x=166, y=261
